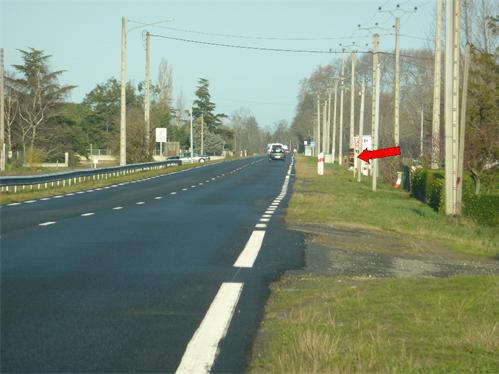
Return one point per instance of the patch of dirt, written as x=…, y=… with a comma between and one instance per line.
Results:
x=359, y=252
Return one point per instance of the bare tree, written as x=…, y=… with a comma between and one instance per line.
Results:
x=165, y=84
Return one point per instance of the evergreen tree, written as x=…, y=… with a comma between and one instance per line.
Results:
x=203, y=106
x=39, y=93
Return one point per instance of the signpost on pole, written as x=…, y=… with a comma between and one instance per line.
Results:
x=161, y=137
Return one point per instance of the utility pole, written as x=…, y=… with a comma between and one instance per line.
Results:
x=361, y=124
x=334, y=116
x=352, y=101
x=328, y=142
x=422, y=134
x=123, y=94
x=202, y=134
x=2, y=118
x=318, y=140
x=396, y=94
x=147, y=98
x=452, y=52
x=435, y=129
x=324, y=128
x=456, y=57
x=342, y=89
x=191, y=139
x=462, y=130
x=375, y=108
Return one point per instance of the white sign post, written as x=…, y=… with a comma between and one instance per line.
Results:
x=161, y=137
x=320, y=164
x=366, y=144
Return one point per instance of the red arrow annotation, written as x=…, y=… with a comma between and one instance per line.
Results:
x=379, y=153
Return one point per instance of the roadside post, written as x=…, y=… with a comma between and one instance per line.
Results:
x=320, y=164
x=161, y=137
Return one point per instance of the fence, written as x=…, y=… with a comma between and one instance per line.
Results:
x=15, y=183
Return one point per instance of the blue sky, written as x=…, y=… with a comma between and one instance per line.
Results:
x=84, y=38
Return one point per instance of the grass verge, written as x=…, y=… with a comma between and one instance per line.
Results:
x=339, y=324
x=319, y=324
x=336, y=198
x=20, y=196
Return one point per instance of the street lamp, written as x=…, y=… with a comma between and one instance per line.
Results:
x=124, y=34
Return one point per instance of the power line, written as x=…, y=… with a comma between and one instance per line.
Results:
x=265, y=49
x=253, y=37
x=316, y=51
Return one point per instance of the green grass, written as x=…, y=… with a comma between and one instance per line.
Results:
x=337, y=199
x=319, y=324
x=27, y=194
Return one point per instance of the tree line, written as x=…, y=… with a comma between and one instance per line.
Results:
x=41, y=124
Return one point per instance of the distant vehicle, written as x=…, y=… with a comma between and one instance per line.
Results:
x=277, y=152
x=196, y=158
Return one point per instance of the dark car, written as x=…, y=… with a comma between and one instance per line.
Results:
x=277, y=153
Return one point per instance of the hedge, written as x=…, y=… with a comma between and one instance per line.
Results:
x=428, y=186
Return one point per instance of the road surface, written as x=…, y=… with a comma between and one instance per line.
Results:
x=169, y=274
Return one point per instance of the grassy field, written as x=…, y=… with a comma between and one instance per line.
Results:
x=7, y=198
x=327, y=325
x=358, y=324
x=336, y=198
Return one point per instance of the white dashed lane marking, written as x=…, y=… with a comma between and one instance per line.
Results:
x=248, y=256
x=46, y=223
x=117, y=208
x=158, y=198
x=203, y=347
x=140, y=202
x=87, y=214
x=173, y=193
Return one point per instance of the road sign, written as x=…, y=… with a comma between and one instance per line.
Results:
x=161, y=134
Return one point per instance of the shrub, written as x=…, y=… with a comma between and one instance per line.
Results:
x=483, y=209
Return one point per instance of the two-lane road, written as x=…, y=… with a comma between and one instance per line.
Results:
x=162, y=275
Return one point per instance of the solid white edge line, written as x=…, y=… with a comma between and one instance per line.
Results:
x=248, y=256
x=202, y=350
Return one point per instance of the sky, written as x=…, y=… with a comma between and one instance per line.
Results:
x=84, y=38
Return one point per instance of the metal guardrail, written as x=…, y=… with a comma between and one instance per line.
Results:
x=13, y=183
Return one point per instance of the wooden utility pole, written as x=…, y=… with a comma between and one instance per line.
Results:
x=334, y=117
x=435, y=129
x=123, y=94
x=375, y=108
x=342, y=89
x=361, y=125
x=2, y=118
x=352, y=102
x=147, y=97
x=462, y=131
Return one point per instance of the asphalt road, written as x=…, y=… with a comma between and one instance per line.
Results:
x=166, y=274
